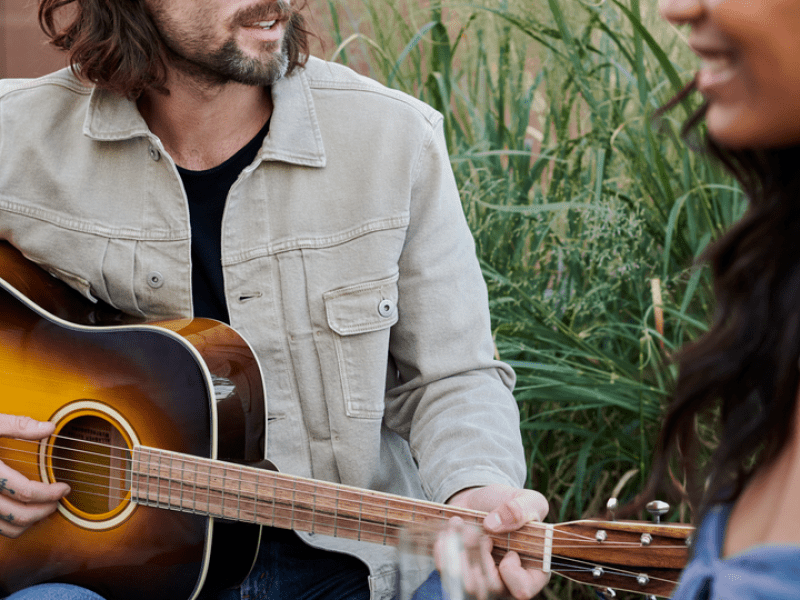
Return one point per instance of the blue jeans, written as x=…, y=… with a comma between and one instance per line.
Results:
x=54, y=591
x=286, y=569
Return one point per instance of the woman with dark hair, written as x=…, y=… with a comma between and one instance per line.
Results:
x=745, y=368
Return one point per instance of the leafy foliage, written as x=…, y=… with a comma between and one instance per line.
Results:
x=588, y=214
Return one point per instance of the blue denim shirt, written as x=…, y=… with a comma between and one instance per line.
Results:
x=770, y=572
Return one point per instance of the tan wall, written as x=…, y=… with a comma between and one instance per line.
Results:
x=23, y=47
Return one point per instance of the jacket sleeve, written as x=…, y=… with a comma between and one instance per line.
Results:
x=452, y=400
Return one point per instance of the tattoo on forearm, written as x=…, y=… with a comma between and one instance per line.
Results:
x=4, y=487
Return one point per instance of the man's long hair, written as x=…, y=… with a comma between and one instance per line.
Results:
x=115, y=45
x=746, y=365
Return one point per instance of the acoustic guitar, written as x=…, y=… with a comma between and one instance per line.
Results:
x=160, y=433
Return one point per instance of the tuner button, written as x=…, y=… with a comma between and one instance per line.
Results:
x=610, y=593
x=601, y=535
x=612, y=506
x=597, y=572
x=657, y=508
x=642, y=579
x=646, y=539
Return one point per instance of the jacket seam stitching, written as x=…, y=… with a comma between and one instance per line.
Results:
x=34, y=83
x=432, y=116
x=318, y=243
x=425, y=150
x=91, y=228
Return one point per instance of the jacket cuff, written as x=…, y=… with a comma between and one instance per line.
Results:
x=470, y=478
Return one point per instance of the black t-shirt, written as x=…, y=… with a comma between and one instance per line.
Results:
x=207, y=192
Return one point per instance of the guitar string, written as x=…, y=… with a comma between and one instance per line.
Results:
x=569, y=537
x=392, y=531
x=566, y=536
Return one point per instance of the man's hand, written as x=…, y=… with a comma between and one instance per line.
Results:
x=508, y=509
x=24, y=502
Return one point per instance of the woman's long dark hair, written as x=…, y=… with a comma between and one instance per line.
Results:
x=746, y=365
x=115, y=45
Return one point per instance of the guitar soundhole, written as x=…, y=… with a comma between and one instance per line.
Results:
x=93, y=457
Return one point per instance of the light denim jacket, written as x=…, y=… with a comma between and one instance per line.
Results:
x=345, y=251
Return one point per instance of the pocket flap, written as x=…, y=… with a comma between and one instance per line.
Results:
x=363, y=307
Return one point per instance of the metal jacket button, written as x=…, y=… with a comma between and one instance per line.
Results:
x=155, y=280
x=154, y=153
x=386, y=308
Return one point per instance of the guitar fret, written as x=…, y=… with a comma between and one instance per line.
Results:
x=294, y=497
x=194, y=490
x=360, y=515
x=274, y=502
x=182, y=485
x=209, y=490
x=169, y=482
x=385, y=519
x=158, y=482
x=314, y=511
x=336, y=514
x=239, y=499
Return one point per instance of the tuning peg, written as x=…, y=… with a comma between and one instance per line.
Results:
x=657, y=508
x=606, y=594
x=612, y=505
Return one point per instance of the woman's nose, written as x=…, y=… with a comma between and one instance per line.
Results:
x=680, y=12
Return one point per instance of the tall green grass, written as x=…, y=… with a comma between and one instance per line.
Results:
x=582, y=206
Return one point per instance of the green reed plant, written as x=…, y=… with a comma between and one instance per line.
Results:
x=585, y=209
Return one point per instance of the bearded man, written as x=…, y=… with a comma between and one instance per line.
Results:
x=195, y=161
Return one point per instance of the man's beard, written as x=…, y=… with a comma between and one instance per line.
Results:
x=229, y=62
x=193, y=56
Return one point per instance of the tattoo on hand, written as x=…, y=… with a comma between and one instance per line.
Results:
x=9, y=518
x=4, y=487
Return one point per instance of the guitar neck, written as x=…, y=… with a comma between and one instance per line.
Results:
x=222, y=490
x=628, y=555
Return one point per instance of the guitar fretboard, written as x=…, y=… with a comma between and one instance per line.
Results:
x=175, y=481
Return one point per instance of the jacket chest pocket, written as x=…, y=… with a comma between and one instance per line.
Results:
x=361, y=317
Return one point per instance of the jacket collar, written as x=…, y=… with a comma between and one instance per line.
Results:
x=294, y=132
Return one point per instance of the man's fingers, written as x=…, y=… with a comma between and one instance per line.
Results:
x=14, y=426
x=15, y=518
x=521, y=583
x=18, y=488
x=523, y=507
x=24, y=502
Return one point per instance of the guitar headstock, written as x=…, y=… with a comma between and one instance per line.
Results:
x=634, y=556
